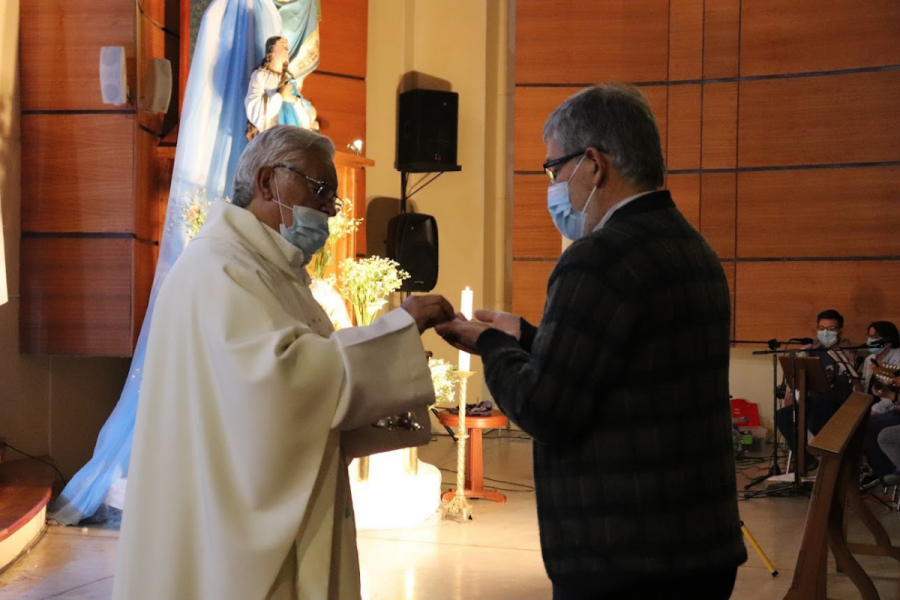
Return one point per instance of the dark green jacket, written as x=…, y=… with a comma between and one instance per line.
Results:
x=624, y=387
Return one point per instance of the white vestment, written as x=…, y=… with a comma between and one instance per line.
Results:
x=237, y=486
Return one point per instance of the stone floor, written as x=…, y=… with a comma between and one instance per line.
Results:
x=497, y=555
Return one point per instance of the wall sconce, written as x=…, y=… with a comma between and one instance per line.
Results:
x=113, y=86
x=355, y=147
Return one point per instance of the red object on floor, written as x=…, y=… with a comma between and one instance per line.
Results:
x=741, y=409
x=474, y=463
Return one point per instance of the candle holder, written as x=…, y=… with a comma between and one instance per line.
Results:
x=458, y=508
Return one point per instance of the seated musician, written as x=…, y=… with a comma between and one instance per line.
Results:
x=840, y=367
x=889, y=437
x=888, y=354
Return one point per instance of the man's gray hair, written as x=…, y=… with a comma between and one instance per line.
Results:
x=616, y=119
x=276, y=146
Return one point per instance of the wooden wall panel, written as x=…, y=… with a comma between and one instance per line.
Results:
x=683, y=118
x=833, y=119
x=343, y=31
x=719, y=133
x=721, y=35
x=78, y=172
x=60, y=44
x=781, y=299
x=530, y=288
x=717, y=212
x=143, y=271
x=685, y=191
x=79, y=295
x=685, y=39
x=591, y=42
x=534, y=105
x=821, y=212
x=534, y=235
x=809, y=35
x=341, y=104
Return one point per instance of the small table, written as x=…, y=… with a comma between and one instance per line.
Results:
x=474, y=464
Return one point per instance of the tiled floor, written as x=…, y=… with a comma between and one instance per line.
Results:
x=496, y=556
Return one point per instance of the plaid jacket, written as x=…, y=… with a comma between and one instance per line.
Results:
x=624, y=387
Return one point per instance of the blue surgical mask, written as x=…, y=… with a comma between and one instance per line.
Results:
x=308, y=231
x=569, y=222
x=871, y=341
x=827, y=338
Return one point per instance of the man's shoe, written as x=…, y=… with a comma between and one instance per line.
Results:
x=870, y=482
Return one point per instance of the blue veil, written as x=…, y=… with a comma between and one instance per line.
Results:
x=210, y=141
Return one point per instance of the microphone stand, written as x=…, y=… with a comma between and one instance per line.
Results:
x=774, y=469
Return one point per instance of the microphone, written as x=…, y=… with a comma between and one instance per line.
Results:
x=802, y=340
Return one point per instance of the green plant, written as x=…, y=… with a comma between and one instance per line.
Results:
x=366, y=284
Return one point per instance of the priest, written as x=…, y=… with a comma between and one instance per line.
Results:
x=238, y=484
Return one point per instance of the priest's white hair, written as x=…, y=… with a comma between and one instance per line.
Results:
x=277, y=145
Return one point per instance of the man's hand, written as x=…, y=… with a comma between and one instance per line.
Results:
x=462, y=334
x=505, y=322
x=429, y=310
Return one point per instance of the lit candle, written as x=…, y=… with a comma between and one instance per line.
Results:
x=465, y=309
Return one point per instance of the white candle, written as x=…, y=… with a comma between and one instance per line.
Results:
x=465, y=308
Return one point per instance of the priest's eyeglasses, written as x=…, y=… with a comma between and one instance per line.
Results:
x=324, y=192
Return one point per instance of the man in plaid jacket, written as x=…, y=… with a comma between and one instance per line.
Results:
x=624, y=385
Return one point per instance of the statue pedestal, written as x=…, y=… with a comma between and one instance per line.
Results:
x=392, y=496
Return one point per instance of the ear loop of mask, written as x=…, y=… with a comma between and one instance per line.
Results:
x=278, y=201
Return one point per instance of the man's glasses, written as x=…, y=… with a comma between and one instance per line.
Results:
x=548, y=166
x=325, y=193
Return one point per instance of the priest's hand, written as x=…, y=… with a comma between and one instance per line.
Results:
x=429, y=310
x=506, y=322
x=462, y=334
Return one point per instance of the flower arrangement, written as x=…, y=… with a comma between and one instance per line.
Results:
x=340, y=225
x=445, y=380
x=366, y=284
x=194, y=208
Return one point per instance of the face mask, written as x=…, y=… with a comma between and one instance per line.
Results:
x=871, y=341
x=308, y=231
x=827, y=338
x=569, y=222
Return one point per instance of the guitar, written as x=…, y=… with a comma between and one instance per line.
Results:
x=886, y=376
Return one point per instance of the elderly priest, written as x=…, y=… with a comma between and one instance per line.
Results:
x=238, y=486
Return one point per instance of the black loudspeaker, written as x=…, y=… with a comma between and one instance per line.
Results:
x=413, y=242
x=426, y=131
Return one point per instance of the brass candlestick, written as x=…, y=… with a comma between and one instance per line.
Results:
x=458, y=507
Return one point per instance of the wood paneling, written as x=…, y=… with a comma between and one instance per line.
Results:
x=719, y=133
x=343, y=31
x=717, y=216
x=685, y=39
x=781, y=299
x=534, y=105
x=77, y=296
x=721, y=35
x=78, y=173
x=530, y=288
x=809, y=35
x=534, y=235
x=60, y=44
x=341, y=104
x=684, y=127
x=588, y=42
x=146, y=186
x=685, y=191
x=823, y=212
x=820, y=120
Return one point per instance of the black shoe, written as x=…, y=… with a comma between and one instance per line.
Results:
x=870, y=482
